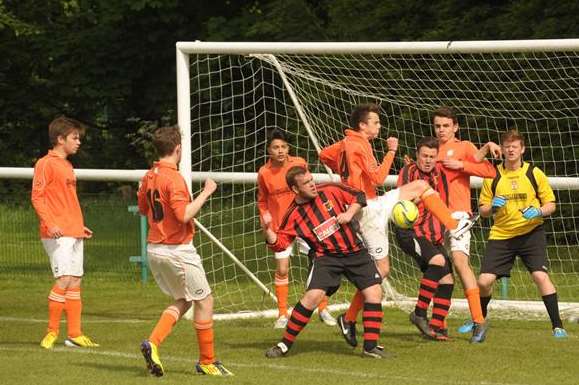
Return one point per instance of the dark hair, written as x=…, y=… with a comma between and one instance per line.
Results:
x=427, y=141
x=165, y=139
x=360, y=114
x=62, y=126
x=276, y=133
x=445, y=112
x=292, y=173
x=512, y=135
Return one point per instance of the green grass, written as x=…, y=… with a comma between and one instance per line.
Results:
x=515, y=353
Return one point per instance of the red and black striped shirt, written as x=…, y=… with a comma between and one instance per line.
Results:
x=427, y=225
x=315, y=222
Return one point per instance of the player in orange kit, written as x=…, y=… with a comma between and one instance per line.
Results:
x=456, y=154
x=273, y=199
x=353, y=159
x=164, y=198
x=62, y=230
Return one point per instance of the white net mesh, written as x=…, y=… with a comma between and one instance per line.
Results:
x=236, y=100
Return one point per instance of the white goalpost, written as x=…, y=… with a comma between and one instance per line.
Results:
x=231, y=94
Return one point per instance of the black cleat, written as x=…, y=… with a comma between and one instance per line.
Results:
x=347, y=330
x=277, y=351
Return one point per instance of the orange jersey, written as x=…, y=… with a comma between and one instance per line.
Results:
x=54, y=196
x=353, y=159
x=459, y=188
x=273, y=193
x=163, y=197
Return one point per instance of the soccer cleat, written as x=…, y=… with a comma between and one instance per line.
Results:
x=214, y=369
x=479, y=332
x=464, y=225
x=560, y=333
x=421, y=324
x=81, y=341
x=277, y=351
x=377, y=352
x=49, y=340
x=152, y=360
x=466, y=327
x=327, y=318
x=281, y=322
x=347, y=330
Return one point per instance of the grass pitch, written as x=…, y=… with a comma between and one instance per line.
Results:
x=120, y=315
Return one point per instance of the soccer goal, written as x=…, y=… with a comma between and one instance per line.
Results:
x=231, y=94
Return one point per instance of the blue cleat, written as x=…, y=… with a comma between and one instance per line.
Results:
x=466, y=327
x=479, y=333
x=559, y=333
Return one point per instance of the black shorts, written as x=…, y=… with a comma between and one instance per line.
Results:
x=420, y=248
x=500, y=254
x=359, y=268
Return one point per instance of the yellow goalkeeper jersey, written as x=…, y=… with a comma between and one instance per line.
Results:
x=520, y=192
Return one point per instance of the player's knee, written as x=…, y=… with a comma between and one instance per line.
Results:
x=372, y=294
x=383, y=266
x=541, y=278
x=63, y=281
x=485, y=282
x=282, y=268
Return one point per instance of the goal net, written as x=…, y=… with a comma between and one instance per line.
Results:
x=232, y=95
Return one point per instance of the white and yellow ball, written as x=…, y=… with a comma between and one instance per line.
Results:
x=404, y=214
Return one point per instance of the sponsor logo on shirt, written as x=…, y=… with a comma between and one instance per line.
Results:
x=327, y=228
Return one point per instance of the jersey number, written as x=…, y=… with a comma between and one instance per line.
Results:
x=154, y=197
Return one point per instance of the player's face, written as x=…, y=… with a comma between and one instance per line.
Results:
x=70, y=143
x=426, y=158
x=444, y=128
x=371, y=127
x=278, y=150
x=305, y=186
x=513, y=151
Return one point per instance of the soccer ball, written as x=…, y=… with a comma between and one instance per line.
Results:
x=404, y=214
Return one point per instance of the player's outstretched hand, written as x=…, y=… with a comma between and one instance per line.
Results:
x=210, y=186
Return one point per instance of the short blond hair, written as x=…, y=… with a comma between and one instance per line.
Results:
x=512, y=135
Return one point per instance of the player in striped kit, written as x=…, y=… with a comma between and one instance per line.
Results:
x=273, y=198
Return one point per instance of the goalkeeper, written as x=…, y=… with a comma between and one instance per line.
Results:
x=164, y=198
x=518, y=199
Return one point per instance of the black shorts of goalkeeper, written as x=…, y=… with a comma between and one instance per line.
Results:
x=359, y=268
x=500, y=254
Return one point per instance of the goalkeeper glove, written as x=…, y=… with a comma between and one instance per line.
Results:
x=531, y=213
x=498, y=202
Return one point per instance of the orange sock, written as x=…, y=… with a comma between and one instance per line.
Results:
x=165, y=324
x=440, y=210
x=56, y=300
x=204, y=331
x=73, y=307
x=473, y=298
x=323, y=305
x=281, y=293
x=355, y=306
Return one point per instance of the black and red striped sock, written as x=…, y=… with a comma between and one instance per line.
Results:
x=441, y=305
x=298, y=320
x=428, y=286
x=372, y=319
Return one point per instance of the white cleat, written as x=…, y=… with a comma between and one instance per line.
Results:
x=464, y=225
x=327, y=318
x=280, y=323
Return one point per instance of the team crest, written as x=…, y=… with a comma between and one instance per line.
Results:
x=328, y=205
x=514, y=185
x=450, y=153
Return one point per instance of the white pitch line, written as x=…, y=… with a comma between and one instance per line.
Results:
x=285, y=368
x=84, y=320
